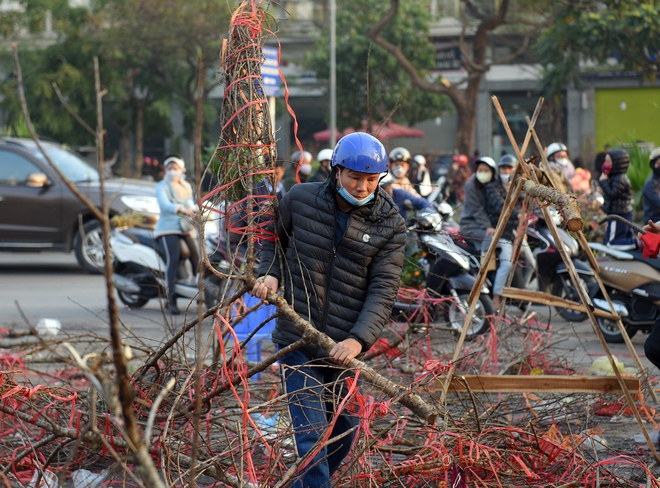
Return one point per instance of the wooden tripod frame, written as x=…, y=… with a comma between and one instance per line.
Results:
x=522, y=175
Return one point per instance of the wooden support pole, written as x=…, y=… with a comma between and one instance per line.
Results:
x=537, y=383
x=542, y=298
x=512, y=197
x=578, y=286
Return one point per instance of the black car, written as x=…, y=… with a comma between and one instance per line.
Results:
x=39, y=212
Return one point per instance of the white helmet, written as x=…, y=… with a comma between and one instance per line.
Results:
x=324, y=155
x=486, y=160
x=555, y=147
x=386, y=180
x=420, y=160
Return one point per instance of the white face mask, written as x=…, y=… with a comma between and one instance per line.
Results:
x=484, y=177
x=173, y=174
x=505, y=179
x=398, y=172
x=305, y=169
x=563, y=162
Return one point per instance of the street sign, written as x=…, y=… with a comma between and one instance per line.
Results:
x=270, y=72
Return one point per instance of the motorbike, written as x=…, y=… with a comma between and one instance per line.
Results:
x=633, y=284
x=139, y=268
x=447, y=270
x=541, y=267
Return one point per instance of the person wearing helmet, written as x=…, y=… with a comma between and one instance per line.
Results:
x=399, y=167
x=475, y=220
x=560, y=164
x=421, y=176
x=496, y=192
x=300, y=164
x=325, y=160
x=651, y=191
x=400, y=197
x=460, y=175
x=617, y=193
x=338, y=258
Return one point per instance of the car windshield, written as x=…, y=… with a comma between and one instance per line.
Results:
x=74, y=167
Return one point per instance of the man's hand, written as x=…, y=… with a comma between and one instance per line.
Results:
x=345, y=350
x=261, y=287
x=490, y=231
x=653, y=227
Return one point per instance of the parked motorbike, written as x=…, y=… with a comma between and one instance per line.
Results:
x=633, y=284
x=139, y=268
x=447, y=271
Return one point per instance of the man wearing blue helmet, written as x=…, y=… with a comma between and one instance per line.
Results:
x=342, y=243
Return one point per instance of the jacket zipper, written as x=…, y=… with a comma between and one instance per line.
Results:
x=324, y=314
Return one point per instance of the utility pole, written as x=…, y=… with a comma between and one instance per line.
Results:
x=333, y=73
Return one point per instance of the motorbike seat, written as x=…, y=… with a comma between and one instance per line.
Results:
x=146, y=238
x=637, y=256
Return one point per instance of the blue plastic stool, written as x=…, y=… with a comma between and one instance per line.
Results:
x=250, y=323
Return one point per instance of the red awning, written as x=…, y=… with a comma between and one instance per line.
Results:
x=382, y=132
x=324, y=135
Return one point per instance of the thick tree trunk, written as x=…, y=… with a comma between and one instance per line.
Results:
x=139, y=140
x=125, y=150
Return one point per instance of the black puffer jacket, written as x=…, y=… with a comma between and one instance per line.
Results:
x=495, y=198
x=347, y=291
x=617, y=190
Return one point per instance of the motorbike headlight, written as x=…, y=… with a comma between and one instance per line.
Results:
x=140, y=203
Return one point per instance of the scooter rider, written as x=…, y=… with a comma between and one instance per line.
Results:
x=560, y=164
x=651, y=190
x=422, y=176
x=324, y=158
x=652, y=344
x=400, y=196
x=175, y=199
x=496, y=192
x=399, y=166
x=475, y=221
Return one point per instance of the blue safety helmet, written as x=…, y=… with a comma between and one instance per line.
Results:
x=361, y=152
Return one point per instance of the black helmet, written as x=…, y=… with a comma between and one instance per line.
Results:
x=400, y=154
x=507, y=160
x=620, y=161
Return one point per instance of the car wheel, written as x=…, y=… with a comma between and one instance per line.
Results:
x=88, y=247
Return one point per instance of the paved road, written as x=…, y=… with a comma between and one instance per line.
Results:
x=52, y=285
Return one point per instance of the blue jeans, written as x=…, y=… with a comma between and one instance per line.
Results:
x=315, y=389
x=503, y=263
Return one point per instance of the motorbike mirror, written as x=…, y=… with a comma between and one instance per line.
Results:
x=407, y=205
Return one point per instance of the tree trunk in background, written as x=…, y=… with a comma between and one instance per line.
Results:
x=139, y=139
x=125, y=150
x=557, y=132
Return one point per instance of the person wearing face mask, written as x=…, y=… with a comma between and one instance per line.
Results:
x=175, y=199
x=617, y=192
x=557, y=154
x=325, y=160
x=496, y=191
x=303, y=165
x=399, y=166
x=341, y=246
x=651, y=191
x=475, y=220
